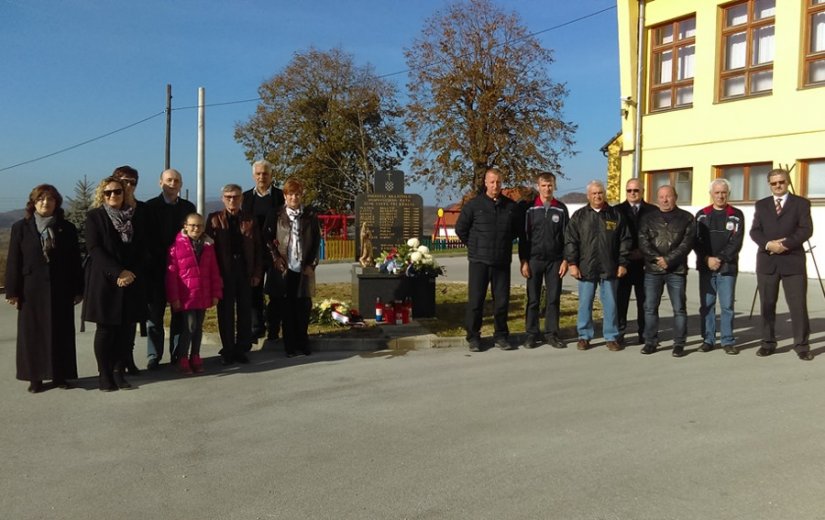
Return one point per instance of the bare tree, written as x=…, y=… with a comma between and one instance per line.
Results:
x=330, y=122
x=481, y=96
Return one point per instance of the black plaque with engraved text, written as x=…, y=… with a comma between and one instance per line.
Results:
x=392, y=218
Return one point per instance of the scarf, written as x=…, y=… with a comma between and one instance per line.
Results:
x=122, y=221
x=294, y=248
x=44, y=227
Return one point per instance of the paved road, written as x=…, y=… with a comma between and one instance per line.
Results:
x=428, y=434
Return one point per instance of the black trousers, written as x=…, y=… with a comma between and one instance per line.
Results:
x=296, y=314
x=795, y=288
x=112, y=343
x=634, y=282
x=542, y=271
x=479, y=277
x=234, y=310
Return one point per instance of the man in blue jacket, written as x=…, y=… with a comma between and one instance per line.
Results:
x=487, y=225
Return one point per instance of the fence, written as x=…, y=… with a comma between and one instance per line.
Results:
x=337, y=249
x=343, y=249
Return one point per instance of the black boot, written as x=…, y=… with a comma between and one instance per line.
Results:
x=106, y=382
x=131, y=368
x=120, y=381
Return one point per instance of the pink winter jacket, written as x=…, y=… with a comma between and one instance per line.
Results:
x=192, y=283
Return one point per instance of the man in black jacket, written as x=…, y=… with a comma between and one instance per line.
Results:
x=632, y=209
x=781, y=226
x=542, y=260
x=262, y=199
x=165, y=214
x=487, y=225
x=720, y=229
x=596, y=248
x=666, y=238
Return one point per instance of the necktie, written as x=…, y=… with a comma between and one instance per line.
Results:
x=778, y=206
x=635, y=210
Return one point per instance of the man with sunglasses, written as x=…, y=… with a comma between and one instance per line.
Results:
x=632, y=209
x=166, y=214
x=781, y=226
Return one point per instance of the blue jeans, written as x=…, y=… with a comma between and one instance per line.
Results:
x=654, y=286
x=712, y=286
x=607, y=294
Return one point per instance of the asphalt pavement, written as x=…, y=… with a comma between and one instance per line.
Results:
x=430, y=433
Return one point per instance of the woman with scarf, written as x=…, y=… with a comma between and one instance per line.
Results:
x=44, y=281
x=115, y=298
x=293, y=235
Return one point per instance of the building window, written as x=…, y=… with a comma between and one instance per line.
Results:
x=672, y=57
x=815, y=43
x=747, y=49
x=748, y=182
x=680, y=179
x=813, y=178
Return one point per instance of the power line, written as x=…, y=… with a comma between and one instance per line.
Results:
x=251, y=100
x=84, y=142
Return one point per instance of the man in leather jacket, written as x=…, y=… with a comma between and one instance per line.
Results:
x=666, y=238
x=596, y=247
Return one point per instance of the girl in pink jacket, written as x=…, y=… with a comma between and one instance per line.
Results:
x=193, y=284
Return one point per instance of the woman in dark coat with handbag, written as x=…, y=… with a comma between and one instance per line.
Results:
x=115, y=297
x=44, y=281
x=293, y=236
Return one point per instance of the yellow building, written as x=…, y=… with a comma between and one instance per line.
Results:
x=728, y=89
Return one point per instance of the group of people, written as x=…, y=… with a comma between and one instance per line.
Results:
x=143, y=256
x=634, y=247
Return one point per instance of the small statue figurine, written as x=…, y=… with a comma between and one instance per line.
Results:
x=366, y=246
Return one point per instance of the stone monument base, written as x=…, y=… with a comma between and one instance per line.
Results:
x=368, y=284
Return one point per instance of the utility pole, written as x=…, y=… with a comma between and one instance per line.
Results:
x=201, y=203
x=168, y=126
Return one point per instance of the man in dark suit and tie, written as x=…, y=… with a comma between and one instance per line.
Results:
x=632, y=210
x=781, y=225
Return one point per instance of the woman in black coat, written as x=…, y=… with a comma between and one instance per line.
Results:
x=44, y=281
x=115, y=298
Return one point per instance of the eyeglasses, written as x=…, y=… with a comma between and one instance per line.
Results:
x=130, y=182
x=778, y=183
x=109, y=193
x=633, y=190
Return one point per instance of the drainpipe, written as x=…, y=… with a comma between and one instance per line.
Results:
x=637, y=138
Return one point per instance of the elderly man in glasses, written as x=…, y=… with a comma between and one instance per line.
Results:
x=781, y=226
x=240, y=261
x=632, y=209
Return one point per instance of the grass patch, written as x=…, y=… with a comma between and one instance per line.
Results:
x=451, y=301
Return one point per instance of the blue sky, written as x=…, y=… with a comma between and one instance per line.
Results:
x=73, y=70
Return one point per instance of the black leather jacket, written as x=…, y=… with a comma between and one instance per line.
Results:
x=670, y=238
x=597, y=242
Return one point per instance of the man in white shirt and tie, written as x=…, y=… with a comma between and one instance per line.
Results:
x=781, y=226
